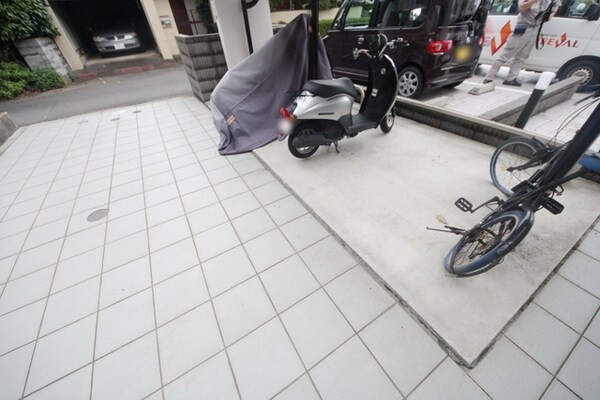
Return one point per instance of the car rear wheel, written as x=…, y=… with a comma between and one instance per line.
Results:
x=410, y=82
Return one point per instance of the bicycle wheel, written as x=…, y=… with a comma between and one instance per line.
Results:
x=484, y=246
x=513, y=162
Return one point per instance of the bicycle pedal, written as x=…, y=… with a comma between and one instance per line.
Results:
x=553, y=206
x=464, y=205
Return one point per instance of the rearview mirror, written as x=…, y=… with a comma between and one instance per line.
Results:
x=416, y=14
x=593, y=12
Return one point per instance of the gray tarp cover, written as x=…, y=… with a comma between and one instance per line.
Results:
x=245, y=104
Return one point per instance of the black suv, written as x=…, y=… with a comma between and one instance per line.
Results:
x=445, y=40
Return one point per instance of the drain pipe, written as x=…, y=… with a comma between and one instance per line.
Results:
x=540, y=87
x=246, y=4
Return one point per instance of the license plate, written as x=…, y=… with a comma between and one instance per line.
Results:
x=119, y=46
x=462, y=54
x=284, y=128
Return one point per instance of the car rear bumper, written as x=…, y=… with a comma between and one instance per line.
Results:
x=117, y=45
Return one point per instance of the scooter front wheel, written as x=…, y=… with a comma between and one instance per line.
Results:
x=303, y=129
x=388, y=121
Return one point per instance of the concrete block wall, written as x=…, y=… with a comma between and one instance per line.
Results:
x=204, y=62
x=7, y=127
x=42, y=52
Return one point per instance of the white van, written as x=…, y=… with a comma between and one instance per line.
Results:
x=571, y=39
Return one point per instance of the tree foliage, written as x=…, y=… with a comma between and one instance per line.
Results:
x=24, y=19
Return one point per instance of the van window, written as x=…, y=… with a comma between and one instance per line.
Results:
x=505, y=7
x=397, y=13
x=355, y=16
x=457, y=11
x=574, y=8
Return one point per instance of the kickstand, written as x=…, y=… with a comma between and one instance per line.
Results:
x=335, y=144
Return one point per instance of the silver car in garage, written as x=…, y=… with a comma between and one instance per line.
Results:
x=116, y=39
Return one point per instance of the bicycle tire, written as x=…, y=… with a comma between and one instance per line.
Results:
x=479, y=249
x=509, y=154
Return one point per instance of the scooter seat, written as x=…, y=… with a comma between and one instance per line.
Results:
x=591, y=162
x=331, y=87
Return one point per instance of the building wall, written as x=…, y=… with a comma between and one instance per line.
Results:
x=163, y=8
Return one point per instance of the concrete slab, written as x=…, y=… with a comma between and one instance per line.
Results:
x=382, y=191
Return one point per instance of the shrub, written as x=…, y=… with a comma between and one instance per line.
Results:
x=23, y=19
x=324, y=26
x=13, y=72
x=45, y=79
x=9, y=89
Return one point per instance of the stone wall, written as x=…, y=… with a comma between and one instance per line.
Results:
x=43, y=53
x=204, y=62
x=7, y=127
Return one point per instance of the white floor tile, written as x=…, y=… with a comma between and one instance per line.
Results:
x=327, y=259
x=168, y=233
x=188, y=341
x=360, y=298
x=253, y=224
x=173, y=259
x=258, y=178
x=17, y=225
x=230, y=188
x=580, y=372
x=6, y=266
x=25, y=207
x=403, y=348
x=124, y=281
x=270, y=192
x=83, y=241
x=567, y=302
x=285, y=210
x=351, y=372
x=268, y=249
x=530, y=332
x=199, y=199
x=20, y=326
x=219, y=175
x=127, y=190
x=125, y=250
x=13, y=371
x=558, y=391
x=12, y=245
x=46, y=233
x=91, y=202
x=303, y=232
x=240, y=204
x=302, y=389
x=62, y=352
x=264, y=362
x=156, y=181
x=448, y=382
x=584, y=271
x=160, y=195
x=199, y=383
x=124, y=322
x=25, y=290
x=130, y=372
x=242, y=309
x=77, y=269
x=316, y=327
x=508, y=373
x=120, y=208
x=207, y=217
x=591, y=245
x=54, y=213
x=227, y=270
x=125, y=226
x=192, y=184
x=179, y=294
x=215, y=241
x=164, y=212
x=247, y=166
x=70, y=305
x=288, y=282
x=37, y=258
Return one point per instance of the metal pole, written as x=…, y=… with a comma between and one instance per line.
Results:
x=247, y=26
x=540, y=87
x=312, y=40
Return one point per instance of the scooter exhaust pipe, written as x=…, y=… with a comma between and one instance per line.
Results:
x=311, y=140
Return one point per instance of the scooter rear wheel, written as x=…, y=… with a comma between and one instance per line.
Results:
x=302, y=129
x=388, y=121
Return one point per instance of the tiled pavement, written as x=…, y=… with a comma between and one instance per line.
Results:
x=209, y=280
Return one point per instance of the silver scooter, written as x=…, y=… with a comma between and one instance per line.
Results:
x=322, y=113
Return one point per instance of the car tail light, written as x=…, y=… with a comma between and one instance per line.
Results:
x=481, y=40
x=439, y=47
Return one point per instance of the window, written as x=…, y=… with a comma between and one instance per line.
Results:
x=574, y=8
x=355, y=16
x=505, y=7
x=393, y=13
x=457, y=11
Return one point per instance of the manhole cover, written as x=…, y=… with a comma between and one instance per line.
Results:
x=97, y=215
x=83, y=121
x=137, y=111
x=115, y=119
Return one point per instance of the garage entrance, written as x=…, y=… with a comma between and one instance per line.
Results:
x=112, y=20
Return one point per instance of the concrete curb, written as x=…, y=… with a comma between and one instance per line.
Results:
x=7, y=127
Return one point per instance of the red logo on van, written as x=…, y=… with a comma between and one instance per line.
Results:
x=562, y=41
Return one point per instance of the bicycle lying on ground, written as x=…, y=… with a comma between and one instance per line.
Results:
x=517, y=158
x=485, y=245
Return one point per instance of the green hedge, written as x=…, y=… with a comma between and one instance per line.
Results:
x=15, y=78
x=324, y=26
x=24, y=19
